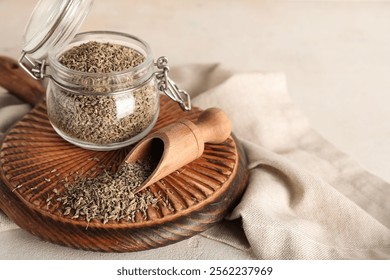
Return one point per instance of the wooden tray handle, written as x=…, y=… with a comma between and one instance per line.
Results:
x=14, y=79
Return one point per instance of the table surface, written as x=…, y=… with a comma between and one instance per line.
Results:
x=335, y=54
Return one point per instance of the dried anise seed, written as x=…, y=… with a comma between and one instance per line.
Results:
x=110, y=196
x=97, y=118
x=97, y=57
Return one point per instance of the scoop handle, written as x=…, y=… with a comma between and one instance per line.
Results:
x=214, y=125
x=180, y=143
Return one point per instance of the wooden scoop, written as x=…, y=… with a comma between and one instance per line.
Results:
x=178, y=144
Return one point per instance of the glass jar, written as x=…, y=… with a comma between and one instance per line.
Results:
x=97, y=111
x=103, y=111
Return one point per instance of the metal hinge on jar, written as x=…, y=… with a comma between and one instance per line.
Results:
x=34, y=68
x=166, y=85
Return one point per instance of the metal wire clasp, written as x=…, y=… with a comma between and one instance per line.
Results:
x=166, y=85
x=35, y=69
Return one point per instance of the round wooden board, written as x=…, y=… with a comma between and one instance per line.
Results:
x=35, y=161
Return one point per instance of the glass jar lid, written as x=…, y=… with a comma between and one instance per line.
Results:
x=53, y=23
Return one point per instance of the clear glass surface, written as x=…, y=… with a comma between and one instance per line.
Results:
x=103, y=111
x=53, y=23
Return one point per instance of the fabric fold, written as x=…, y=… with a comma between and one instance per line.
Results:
x=287, y=207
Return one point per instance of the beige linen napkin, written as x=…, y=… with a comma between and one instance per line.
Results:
x=305, y=199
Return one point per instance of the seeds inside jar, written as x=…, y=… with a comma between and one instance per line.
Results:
x=106, y=108
x=96, y=57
